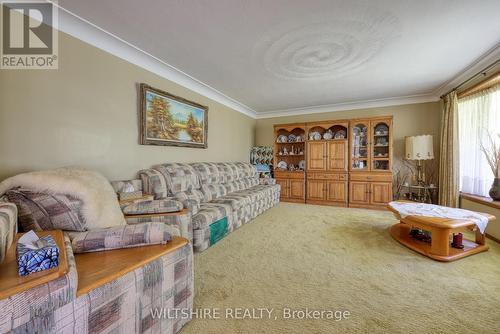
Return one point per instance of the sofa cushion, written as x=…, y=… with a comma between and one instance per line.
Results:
x=228, y=172
x=179, y=177
x=231, y=187
x=191, y=199
x=211, y=212
x=153, y=183
x=40, y=211
x=250, y=182
x=236, y=200
x=251, y=194
x=8, y=227
x=212, y=191
x=208, y=172
x=156, y=206
x=246, y=170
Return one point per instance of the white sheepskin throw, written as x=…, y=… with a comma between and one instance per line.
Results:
x=99, y=202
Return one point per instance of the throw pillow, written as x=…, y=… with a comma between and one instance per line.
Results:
x=40, y=211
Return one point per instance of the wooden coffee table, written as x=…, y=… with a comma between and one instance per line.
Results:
x=439, y=249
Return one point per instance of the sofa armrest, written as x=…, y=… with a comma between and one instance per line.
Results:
x=267, y=181
x=8, y=227
x=192, y=205
x=154, y=206
x=116, y=237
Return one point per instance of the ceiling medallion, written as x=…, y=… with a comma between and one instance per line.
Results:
x=327, y=49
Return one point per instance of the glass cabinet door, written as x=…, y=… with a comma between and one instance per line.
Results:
x=380, y=146
x=359, y=153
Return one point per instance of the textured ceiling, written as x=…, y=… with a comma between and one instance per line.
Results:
x=284, y=54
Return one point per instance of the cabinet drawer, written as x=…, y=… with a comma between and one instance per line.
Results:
x=371, y=177
x=327, y=176
x=288, y=175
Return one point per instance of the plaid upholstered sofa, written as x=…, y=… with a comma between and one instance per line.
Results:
x=220, y=196
x=123, y=305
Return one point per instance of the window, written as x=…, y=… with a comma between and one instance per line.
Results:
x=478, y=115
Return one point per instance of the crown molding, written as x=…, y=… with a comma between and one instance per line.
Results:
x=377, y=103
x=90, y=33
x=475, y=67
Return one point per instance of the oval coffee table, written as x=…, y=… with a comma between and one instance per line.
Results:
x=439, y=249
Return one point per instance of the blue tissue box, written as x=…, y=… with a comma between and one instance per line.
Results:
x=34, y=260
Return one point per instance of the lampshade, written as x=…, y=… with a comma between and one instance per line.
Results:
x=419, y=148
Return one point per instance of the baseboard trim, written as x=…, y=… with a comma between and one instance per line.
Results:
x=489, y=236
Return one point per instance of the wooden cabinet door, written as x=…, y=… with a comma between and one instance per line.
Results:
x=337, y=191
x=337, y=155
x=296, y=189
x=316, y=190
x=316, y=156
x=284, y=187
x=380, y=193
x=359, y=192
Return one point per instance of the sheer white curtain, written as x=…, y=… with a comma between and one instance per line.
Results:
x=478, y=114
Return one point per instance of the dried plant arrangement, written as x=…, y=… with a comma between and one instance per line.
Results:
x=491, y=151
x=403, y=170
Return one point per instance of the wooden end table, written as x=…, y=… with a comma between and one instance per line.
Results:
x=439, y=249
x=10, y=281
x=98, y=268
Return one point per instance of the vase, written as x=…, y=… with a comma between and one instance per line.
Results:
x=495, y=189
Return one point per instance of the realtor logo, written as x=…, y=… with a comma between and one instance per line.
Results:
x=29, y=35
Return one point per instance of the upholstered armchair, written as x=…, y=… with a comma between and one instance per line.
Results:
x=120, y=301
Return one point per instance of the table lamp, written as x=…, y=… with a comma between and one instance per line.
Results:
x=419, y=148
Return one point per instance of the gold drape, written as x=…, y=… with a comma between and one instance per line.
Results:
x=448, y=161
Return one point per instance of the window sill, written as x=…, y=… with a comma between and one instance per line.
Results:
x=481, y=200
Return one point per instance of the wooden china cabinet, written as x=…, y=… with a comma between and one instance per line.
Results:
x=289, y=161
x=327, y=163
x=339, y=163
x=370, y=162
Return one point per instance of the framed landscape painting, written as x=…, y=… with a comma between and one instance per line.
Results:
x=167, y=119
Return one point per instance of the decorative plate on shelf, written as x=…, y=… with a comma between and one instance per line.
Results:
x=328, y=135
x=315, y=135
x=340, y=134
x=282, y=139
x=282, y=165
x=292, y=138
x=302, y=164
x=299, y=139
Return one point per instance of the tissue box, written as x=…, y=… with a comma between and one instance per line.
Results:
x=33, y=260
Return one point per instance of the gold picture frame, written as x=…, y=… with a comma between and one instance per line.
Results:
x=171, y=120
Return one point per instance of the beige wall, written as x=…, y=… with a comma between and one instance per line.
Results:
x=411, y=119
x=86, y=113
x=493, y=228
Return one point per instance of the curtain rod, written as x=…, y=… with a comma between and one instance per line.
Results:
x=483, y=72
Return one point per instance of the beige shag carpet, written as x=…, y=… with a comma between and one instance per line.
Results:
x=323, y=258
